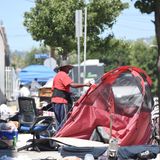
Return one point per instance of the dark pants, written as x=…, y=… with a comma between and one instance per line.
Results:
x=61, y=113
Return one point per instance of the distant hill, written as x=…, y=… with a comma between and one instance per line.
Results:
x=16, y=52
x=148, y=40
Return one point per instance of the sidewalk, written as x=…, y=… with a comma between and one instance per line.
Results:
x=10, y=154
x=31, y=155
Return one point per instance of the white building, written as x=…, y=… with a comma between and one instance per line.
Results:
x=4, y=58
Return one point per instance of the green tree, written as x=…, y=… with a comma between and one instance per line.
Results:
x=53, y=21
x=112, y=52
x=17, y=59
x=140, y=55
x=143, y=56
x=153, y=6
x=30, y=56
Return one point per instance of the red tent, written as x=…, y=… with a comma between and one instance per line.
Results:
x=124, y=96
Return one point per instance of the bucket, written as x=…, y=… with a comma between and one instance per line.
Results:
x=9, y=136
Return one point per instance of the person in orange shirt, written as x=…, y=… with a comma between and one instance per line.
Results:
x=61, y=98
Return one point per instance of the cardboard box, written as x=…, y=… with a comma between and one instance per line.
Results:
x=45, y=92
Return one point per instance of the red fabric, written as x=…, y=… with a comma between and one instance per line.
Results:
x=129, y=131
x=82, y=122
x=98, y=104
x=61, y=81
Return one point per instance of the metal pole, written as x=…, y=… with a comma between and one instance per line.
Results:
x=78, y=35
x=78, y=47
x=85, y=44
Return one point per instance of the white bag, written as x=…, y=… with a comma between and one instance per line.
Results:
x=4, y=112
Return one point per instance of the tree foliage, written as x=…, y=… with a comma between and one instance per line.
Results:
x=143, y=56
x=17, y=59
x=53, y=21
x=30, y=56
x=153, y=6
x=113, y=53
x=147, y=6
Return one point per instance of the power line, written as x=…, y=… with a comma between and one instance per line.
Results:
x=30, y=1
x=18, y=35
x=135, y=21
x=133, y=28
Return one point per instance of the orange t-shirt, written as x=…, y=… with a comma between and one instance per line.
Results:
x=61, y=81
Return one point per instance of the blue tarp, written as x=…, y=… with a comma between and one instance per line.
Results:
x=41, y=72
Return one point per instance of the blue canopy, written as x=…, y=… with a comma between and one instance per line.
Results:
x=41, y=72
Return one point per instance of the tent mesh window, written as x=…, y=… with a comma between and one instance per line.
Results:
x=128, y=95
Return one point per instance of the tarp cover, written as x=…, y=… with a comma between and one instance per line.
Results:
x=41, y=72
x=123, y=99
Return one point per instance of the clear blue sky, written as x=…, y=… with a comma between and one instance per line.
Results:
x=131, y=24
